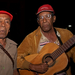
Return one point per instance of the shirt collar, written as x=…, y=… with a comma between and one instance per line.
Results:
x=58, y=34
x=43, y=37
x=9, y=42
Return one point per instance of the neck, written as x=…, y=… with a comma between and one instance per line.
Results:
x=3, y=42
x=50, y=35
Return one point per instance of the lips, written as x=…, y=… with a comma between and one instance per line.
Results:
x=2, y=31
x=45, y=25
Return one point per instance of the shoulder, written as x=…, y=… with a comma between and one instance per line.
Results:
x=31, y=37
x=61, y=29
x=64, y=31
x=65, y=34
x=35, y=32
x=9, y=41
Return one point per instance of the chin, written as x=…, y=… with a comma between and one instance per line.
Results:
x=2, y=37
x=46, y=30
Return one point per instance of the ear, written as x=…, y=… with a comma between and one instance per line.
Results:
x=9, y=30
x=38, y=21
x=54, y=18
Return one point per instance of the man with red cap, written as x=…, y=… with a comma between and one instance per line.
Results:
x=32, y=51
x=8, y=48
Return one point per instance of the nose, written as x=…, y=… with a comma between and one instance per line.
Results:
x=44, y=19
x=2, y=24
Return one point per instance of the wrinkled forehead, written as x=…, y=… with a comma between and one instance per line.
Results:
x=4, y=16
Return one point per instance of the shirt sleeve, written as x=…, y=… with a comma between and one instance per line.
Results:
x=24, y=49
x=15, y=59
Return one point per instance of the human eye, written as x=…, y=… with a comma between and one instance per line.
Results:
x=48, y=16
x=41, y=17
x=7, y=22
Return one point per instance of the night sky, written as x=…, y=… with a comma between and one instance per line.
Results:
x=24, y=13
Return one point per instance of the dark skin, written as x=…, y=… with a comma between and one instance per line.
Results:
x=47, y=29
x=46, y=26
x=4, y=30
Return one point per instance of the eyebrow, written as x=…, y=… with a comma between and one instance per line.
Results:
x=5, y=19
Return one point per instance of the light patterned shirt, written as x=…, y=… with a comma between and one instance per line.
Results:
x=43, y=41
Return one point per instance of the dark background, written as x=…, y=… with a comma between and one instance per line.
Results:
x=24, y=15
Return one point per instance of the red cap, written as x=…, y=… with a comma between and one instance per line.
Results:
x=45, y=7
x=5, y=12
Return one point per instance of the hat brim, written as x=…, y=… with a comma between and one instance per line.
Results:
x=44, y=11
x=5, y=12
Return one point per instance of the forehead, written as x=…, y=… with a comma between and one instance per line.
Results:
x=44, y=13
x=4, y=16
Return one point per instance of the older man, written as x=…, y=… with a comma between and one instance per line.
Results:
x=36, y=42
x=8, y=48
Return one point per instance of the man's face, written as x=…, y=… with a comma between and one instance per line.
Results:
x=4, y=25
x=46, y=20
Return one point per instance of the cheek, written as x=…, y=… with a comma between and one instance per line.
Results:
x=51, y=22
x=54, y=19
x=40, y=23
x=7, y=29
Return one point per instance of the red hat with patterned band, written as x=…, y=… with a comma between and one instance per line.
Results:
x=45, y=7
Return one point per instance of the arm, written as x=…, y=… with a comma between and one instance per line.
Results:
x=15, y=72
x=40, y=68
x=24, y=49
